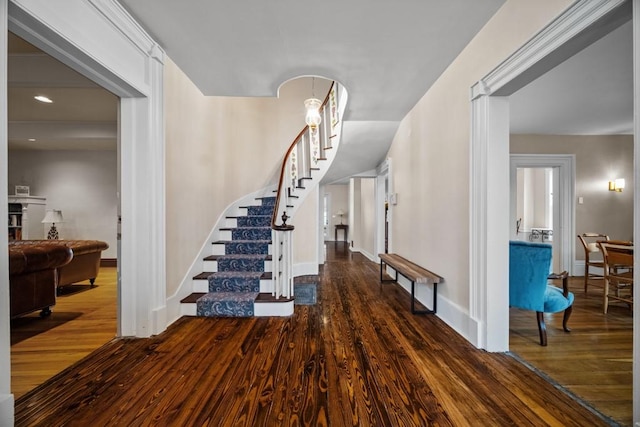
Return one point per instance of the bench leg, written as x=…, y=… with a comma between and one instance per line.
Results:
x=381, y=275
x=413, y=300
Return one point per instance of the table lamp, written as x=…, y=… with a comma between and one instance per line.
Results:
x=51, y=217
x=340, y=213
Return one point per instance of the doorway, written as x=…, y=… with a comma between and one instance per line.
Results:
x=541, y=203
x=581, y=24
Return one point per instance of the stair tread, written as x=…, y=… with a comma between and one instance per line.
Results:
x=243, y=216
x=264, y=275
x=239, y=256
x=218, y=242
x=245, y=227
x=191, y=299
x=251, y=274
x=267, y=297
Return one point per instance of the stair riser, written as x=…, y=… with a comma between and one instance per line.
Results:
x=244, y=234
x=256, y=210
x=202, y=285
x=261, y=309
x=219, y=249
x=223, y=305
x=212, y=266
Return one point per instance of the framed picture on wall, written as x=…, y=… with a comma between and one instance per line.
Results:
x=22, y=190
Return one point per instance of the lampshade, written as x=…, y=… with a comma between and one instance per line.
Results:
x=52, y=216
x=312, y=118
x=340, y=212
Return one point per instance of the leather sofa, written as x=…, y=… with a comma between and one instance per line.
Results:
x=85, y=264
x=33, y=277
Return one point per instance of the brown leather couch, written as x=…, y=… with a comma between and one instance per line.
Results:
x=33, y=277
x=85, y=264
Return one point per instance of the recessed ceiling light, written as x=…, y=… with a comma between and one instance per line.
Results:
x=42, y=98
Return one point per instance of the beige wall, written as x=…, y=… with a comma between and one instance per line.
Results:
x=365, y=240
x=599, y=159
x=218, y=149
x=430, y=151
x=306, y=228
x=363, y=201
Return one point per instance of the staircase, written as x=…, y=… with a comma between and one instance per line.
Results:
x=237, y=280
x=249, y=269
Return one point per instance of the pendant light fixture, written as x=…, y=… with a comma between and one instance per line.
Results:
x=312, y=106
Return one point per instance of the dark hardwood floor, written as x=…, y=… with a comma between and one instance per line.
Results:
x=357, y=357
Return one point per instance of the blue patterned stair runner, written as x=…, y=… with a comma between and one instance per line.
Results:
x=234, y=288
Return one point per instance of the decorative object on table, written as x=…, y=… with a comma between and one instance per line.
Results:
x=22, y=190
x=52, y=217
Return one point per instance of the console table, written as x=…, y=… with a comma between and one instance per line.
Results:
x=345, y=230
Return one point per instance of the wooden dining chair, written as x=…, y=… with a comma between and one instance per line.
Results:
x=592, y=258
x=618, y=272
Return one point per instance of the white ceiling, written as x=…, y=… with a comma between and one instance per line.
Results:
x=590, y=93
x=387, y=54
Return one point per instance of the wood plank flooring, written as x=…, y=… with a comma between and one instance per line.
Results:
x=594, y=361
x=356, y=358
x=83, y=319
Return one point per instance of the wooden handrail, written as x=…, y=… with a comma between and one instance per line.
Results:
x=274, y=215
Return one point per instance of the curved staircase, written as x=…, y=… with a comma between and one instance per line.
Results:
x=248, y=271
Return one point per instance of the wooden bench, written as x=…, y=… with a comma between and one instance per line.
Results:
x=414, y=273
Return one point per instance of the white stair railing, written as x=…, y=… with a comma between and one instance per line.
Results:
x=309, y=148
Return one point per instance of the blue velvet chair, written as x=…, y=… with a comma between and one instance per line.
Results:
x=529, y=266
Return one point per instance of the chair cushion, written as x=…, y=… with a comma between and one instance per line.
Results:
x=554, y=301
x=593, y=247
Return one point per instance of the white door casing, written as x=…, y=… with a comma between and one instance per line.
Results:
x=565, y=230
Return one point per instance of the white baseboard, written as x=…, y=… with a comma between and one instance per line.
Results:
x=578, y=269
x=159, y=320
x=6, y=409
x=368, y=255
x=273, y=309
x=452, y=314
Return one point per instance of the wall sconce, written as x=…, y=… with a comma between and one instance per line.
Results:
x=617, y=185
x=52, y=216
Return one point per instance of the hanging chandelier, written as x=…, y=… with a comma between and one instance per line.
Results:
x=312, y=105
x=312, y=117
